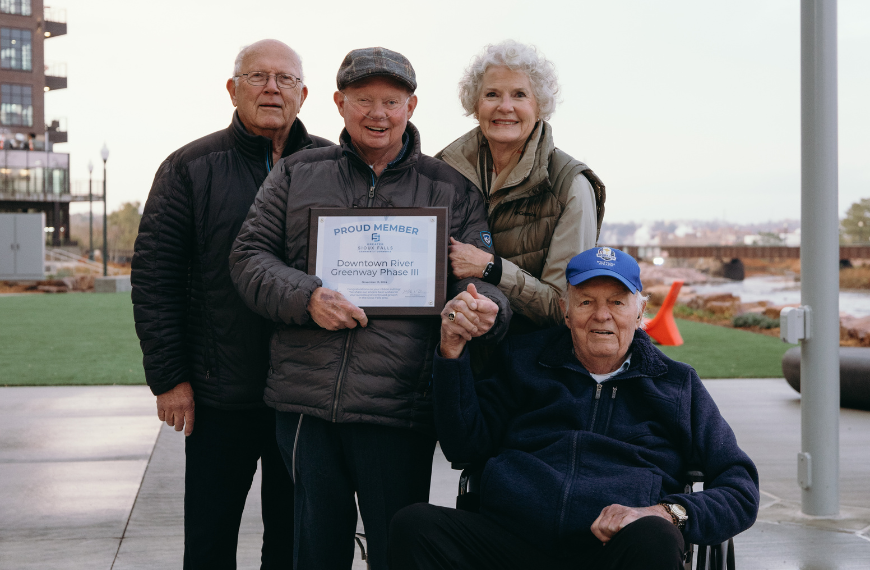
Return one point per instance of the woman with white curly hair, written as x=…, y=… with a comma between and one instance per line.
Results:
x=544, y=207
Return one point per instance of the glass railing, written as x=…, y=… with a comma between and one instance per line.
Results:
x=33, y=172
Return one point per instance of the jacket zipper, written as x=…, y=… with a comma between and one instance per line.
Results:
x=372, y=190
x=341, y=372
x=595, y=408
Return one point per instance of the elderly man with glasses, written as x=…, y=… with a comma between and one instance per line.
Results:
x=206, y=354
x=361, y=382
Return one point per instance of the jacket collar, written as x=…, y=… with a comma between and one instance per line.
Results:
x=528, y=174
x=257, y=147
x=411, y=148
x=646, y=360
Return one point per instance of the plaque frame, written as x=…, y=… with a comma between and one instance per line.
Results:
x=440, y=276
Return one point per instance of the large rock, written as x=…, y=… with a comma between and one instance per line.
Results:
x=718, y=303
x=772, y=311
x=724, y=308
x=855, y=330
x=657, y=294
x=756, y=307
x=112, y=284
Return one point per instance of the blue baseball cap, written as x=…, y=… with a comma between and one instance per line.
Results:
x=604, y=262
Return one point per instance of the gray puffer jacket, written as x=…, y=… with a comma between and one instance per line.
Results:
x=380, y=374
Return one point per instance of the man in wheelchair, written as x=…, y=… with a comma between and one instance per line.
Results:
x=586, y=433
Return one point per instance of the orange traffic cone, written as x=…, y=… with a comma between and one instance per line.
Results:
x=662, y=328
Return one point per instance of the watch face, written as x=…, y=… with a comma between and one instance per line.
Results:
x=679, y=510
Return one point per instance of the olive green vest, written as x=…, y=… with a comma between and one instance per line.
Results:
x=522, y=224
x=523, y=216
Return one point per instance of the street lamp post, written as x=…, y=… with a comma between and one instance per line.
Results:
x=819, y=460
x=91, y=209
x=105, y=154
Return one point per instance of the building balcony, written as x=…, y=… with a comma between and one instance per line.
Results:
x=57, y=132
x=55, y=76
x=55, y=22
x=34, y=176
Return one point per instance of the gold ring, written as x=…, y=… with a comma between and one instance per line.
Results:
x=451, y=316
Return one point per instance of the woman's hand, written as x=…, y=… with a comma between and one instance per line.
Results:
x=464, y=317
x=466, y=260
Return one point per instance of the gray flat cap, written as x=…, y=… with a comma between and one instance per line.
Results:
x=368, y=62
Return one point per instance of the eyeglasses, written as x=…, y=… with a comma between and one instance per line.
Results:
x=365, y=105
x=260, y=78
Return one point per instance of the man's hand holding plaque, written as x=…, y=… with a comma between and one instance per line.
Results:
x=332, y=311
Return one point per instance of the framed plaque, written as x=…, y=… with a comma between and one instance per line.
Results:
x=387, y=261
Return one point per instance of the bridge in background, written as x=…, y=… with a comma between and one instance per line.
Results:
x=733, y=251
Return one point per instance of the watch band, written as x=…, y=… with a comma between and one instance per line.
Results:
x=678, y=519
x=492, y=271
x=488, y=269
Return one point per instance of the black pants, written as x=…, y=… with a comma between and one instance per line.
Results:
x=221, y=459
x=426, y=537
x=387, y=468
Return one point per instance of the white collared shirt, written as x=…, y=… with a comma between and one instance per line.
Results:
x=602, y=377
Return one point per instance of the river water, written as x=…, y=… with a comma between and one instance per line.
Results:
x=783, y=291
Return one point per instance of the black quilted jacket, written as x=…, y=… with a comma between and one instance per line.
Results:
x=191, y=323
x=380, y=374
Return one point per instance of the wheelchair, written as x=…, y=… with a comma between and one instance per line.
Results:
x=697, y=557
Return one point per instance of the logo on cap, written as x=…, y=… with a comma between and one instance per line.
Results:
x=606, y=254
x=487, y=239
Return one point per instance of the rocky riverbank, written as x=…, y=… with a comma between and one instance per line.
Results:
x=724, y=308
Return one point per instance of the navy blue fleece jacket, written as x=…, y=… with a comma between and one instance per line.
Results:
x=560, y=447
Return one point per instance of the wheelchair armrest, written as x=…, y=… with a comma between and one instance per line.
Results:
x=695, y=476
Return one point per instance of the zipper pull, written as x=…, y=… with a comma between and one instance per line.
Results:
x=613, y=397
x=372, y=192
x=598, y=392
x=206, y=374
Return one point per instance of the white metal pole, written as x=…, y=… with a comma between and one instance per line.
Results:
x=819, y=462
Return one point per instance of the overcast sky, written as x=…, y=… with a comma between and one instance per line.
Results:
x=685, y=109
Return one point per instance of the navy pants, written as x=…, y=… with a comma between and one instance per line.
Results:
x=221, y=459
x=426, y=537
x=386, y=468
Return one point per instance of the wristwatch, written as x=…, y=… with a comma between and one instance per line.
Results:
x=678, y=514
x=488, y=269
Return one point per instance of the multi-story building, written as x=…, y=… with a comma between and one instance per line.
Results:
x=33, y=178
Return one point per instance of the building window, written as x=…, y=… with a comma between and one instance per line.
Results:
x=16, y=105
x=15, y=49
x=20, y=7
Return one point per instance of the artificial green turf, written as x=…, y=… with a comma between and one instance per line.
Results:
x=721, y=352
x=88, y=338
x=68, y=339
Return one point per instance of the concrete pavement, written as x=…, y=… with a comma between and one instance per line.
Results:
x=90, y=479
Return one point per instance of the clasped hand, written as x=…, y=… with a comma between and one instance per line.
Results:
x=473, y=316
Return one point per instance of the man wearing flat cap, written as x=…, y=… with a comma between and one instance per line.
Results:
x=361, y=384
x=585, y=433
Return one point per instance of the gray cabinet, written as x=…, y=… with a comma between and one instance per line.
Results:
x=22, y=246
